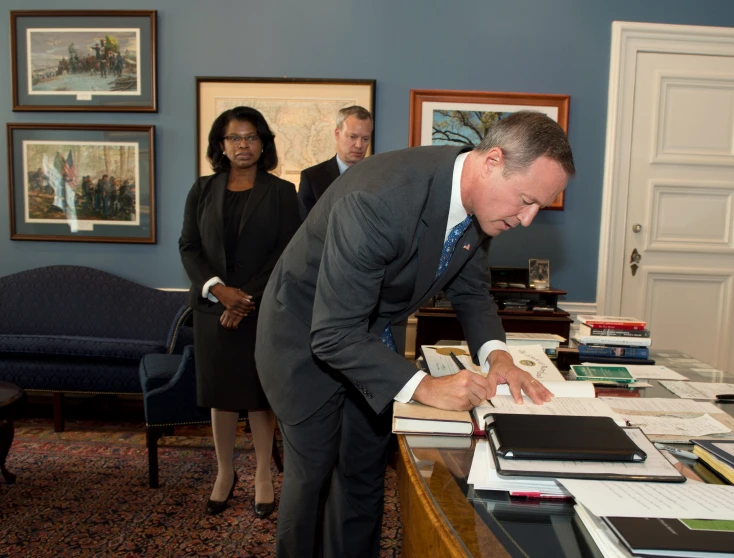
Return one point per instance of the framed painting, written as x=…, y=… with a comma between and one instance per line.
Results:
x=300, y=112
x=442, y=117
x=84, y=60
x=84, y=183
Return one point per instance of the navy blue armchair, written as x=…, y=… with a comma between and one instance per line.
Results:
x=169, y=395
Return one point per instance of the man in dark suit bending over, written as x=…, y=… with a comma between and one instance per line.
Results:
x=387, y=236
x=353, y=134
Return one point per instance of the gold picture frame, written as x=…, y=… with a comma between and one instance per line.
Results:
x=300, y=112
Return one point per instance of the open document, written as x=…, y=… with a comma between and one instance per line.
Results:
x=531, y=358
x=570, y=398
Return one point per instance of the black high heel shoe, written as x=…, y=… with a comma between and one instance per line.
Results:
x=264, y=509
x=214, y=507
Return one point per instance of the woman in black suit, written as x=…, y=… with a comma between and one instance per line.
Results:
x=236, y=224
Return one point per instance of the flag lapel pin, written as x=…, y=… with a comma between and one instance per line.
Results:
x=467, y=246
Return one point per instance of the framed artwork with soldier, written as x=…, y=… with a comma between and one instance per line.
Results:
x=88, y=183
x=84, y=60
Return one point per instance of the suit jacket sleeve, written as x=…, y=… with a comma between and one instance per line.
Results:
x=360, y=242
x=288, y=220
x=475, y=308
x=197, y=266
x=306, y=198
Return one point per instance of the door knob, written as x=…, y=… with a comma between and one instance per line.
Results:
x=636, y=228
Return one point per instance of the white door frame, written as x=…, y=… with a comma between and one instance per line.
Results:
x=629, y=39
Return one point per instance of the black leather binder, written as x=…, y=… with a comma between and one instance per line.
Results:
x=572, y=438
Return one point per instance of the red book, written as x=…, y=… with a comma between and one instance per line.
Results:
x=625, y=327
x=612, y=322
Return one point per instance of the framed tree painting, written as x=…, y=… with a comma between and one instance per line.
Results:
x=84, y=183
x=442, y=117
x=300, y=112
x=83, y=60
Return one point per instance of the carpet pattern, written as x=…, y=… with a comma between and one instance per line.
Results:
x=84, y=492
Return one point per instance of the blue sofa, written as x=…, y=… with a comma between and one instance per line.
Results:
x=73, y=329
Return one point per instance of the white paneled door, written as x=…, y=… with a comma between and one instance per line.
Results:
x=677, y=270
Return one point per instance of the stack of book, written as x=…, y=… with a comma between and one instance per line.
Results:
x=613, y=340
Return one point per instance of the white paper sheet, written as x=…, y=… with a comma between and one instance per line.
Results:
x=479, y=465
x=690, y=500
x=608, y=543
x=697, y=390
x=483, y=476
x=640, y=372
x=677, y=426
x=440, y=363
x=578, y=406
x=660, y=405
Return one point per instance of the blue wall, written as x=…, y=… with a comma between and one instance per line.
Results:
x=558, y=46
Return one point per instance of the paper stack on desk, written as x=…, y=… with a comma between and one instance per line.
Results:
x=483, y=475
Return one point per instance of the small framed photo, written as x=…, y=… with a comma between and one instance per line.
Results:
x=84, y=60
x=83, y=183
x=443, y=117
x=301, y=112
x=538, y=274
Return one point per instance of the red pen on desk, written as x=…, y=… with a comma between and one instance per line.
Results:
x=540, y=495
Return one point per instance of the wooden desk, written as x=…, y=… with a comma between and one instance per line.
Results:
x=444, y=516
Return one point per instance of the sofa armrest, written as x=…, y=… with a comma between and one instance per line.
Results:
x=181, y=333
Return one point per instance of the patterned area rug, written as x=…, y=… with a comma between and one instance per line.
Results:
x=84, y=492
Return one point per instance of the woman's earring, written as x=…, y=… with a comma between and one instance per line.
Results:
x=262, y=150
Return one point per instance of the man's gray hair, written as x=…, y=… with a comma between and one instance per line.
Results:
x=360, y=113
x=525, y=136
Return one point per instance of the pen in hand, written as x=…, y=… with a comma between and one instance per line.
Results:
x=456, y=360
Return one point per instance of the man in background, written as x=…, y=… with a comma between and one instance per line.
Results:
x=353, y=134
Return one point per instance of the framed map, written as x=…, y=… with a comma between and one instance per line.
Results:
x=84, y=60
x=300, y=112
x=83, y=183
x=440, y=117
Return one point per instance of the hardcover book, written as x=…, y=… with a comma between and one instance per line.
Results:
x=416, y=418
x=609, y=340
x=646, y=536
x=610, y=332
x=614, y=322
x=619, y=360
x=610, y=351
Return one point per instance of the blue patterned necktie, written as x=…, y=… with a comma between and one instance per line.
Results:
x=450, y=245
x=446, y=253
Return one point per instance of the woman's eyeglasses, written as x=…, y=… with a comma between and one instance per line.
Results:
x=234, y=138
